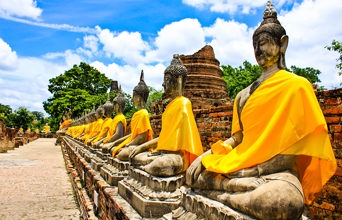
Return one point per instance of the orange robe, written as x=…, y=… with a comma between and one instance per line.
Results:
x=282, y=116
x=95, y=131
x=104, y=129
x=140, y=123
x=114, y=123
x=179, y=130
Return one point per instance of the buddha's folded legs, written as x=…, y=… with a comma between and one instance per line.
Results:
x=160, y=163
x=278, y=196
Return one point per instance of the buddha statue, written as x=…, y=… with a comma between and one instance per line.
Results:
x=96, y=129
x=118, y=125
x=279, y=155
x=107, y=114
x=141, y=130
x=90, y=123
x=46, y=129
x=179, y=142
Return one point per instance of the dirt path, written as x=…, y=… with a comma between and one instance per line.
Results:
x=34, y=183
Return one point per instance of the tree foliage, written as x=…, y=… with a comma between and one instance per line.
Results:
x=309, y=73
x=79, y=89
x=154, y=96
x=242, y=76
x=337, y=47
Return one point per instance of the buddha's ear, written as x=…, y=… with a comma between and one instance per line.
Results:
x=180, y=85
x=284, y=41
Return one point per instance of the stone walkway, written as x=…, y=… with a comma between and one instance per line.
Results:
x=34, y=183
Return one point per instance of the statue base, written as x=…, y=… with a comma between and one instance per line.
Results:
x=195, y=206
x=151, y=196
x=115, y=171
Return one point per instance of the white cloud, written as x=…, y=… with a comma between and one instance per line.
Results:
x=27, y=85
x=128, y=46
x=8, y=57
x=182, y=37
x=91, y=42
x=311, y=26
x=20, y=8
x=229, y=6
x=128, y=76
x=231, y=42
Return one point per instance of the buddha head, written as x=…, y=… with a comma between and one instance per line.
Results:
x=92, y=115
x=270, y=40
x=174, y=77
x=99, y=112
x=140, y=92
x=108, y=108
x=119, y=102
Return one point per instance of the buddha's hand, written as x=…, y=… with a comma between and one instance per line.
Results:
x=193, y=171
x=135, y=151
x=247, y=172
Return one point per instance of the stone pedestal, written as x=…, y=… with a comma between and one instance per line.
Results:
x=195, y=206
x=151, y=196
x=114, y=171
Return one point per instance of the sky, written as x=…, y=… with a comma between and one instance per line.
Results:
x=41, y=39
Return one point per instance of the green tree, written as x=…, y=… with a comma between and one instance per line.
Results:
x=242, y=76
x=5, y=109
x=337, y=47
x=78, y=89
x=21, y=118
x=239, y=78
x=154, y=96
x=309, y=73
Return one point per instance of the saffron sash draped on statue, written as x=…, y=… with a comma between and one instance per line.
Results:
x=140, y=123
x=95, y=131
x=104, y=129
x=179, y=130
x=282, y=116
x=114, y=123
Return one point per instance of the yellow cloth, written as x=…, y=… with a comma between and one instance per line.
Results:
x=104, y=129
x=65, y=123
x=89, y=130
x=281, y=117
x=46, y=129
x=114, y=123
x=78, y=131
x=95, y=131
x=179, y=130
x=140, y=123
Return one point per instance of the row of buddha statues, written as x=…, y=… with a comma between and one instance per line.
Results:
x=277, y=159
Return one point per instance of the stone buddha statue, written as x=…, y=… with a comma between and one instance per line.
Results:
x=279, y=155
x=107, y=114
x=179, y=142
x=141, y=130
x=117, y=127
x=90, y=123
x=96, y=129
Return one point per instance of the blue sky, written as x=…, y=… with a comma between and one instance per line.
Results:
x=41, y=39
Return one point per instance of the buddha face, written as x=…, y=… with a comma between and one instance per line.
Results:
x=266, y=50
x=116, y=107
x=170, y=84
x=136, y=100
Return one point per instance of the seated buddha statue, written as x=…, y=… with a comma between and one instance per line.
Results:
x=141, y=130
x=279, y=155
x=179, y=142
x=46, y=129
x=90, y=121
x=117, y=128
x=114, y=128
x=97, y=124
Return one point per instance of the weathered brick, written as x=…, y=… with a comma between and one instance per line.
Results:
x=336, y=128
x=332, y=111
x=333, y=119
